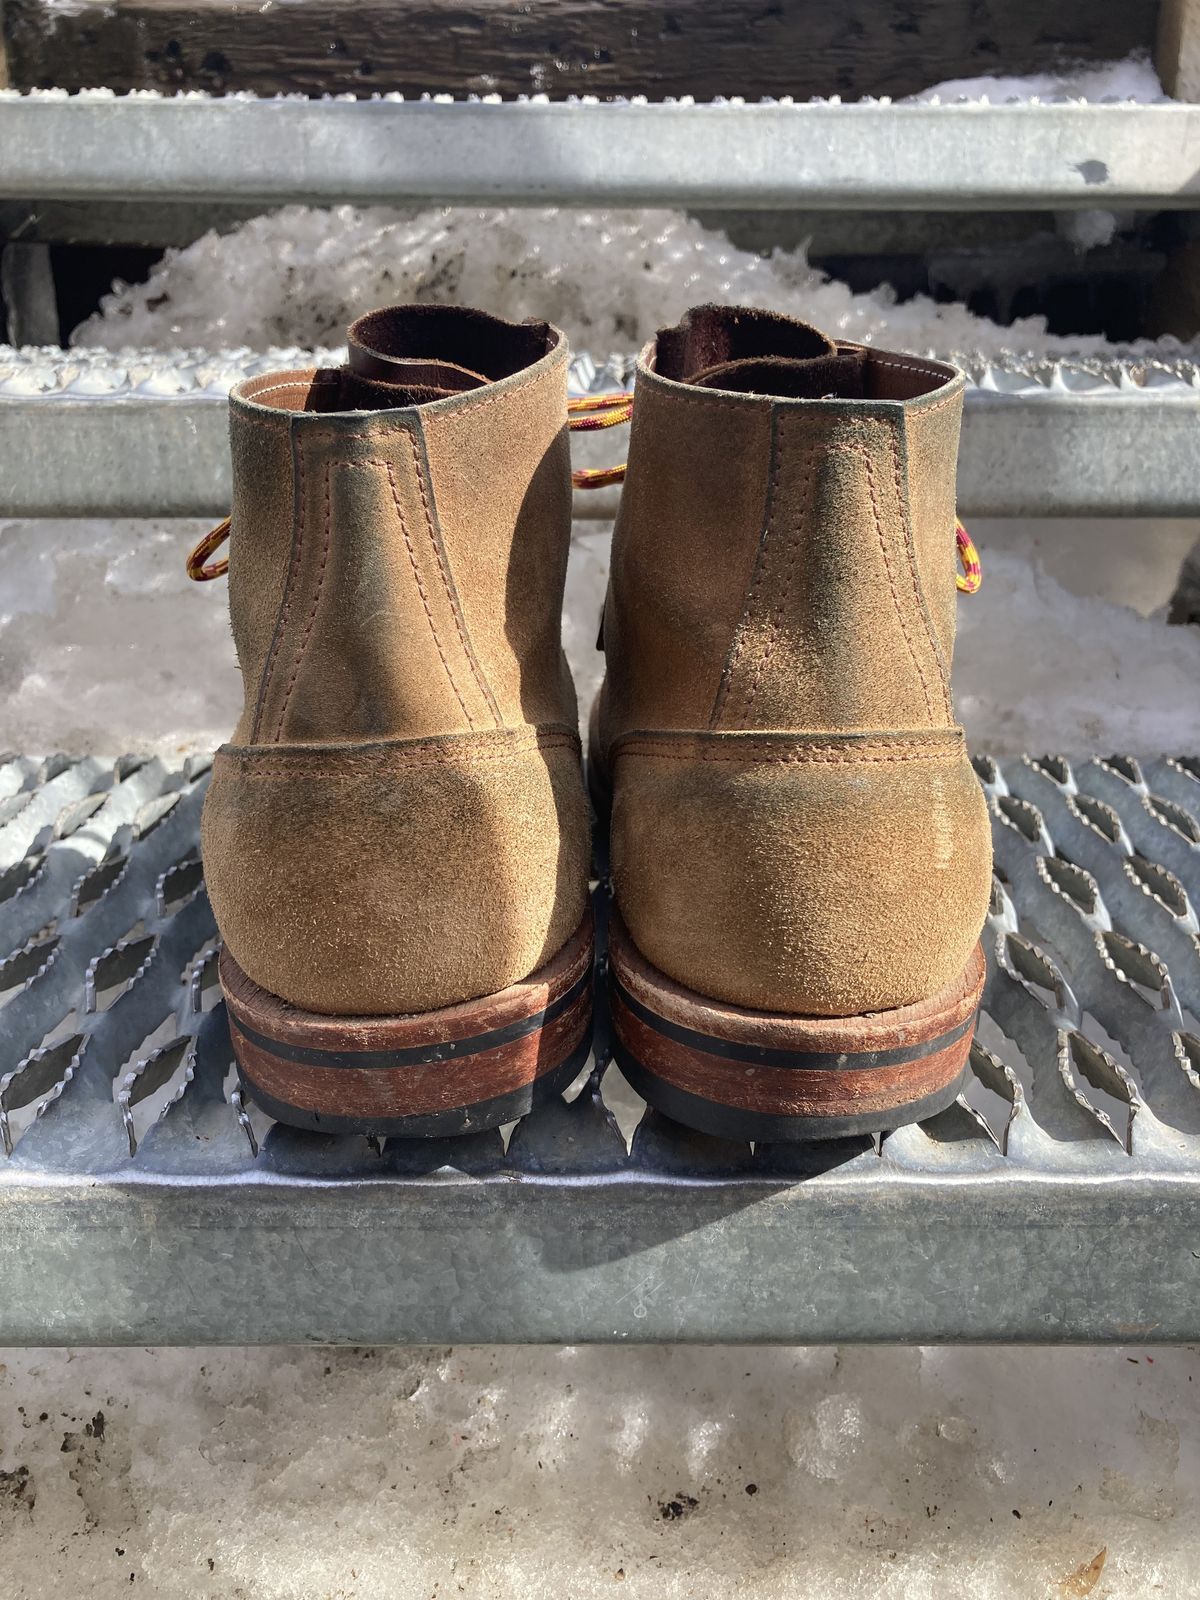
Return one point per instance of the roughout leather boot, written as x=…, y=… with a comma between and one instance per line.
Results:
x=396, y=841
x=800, y=849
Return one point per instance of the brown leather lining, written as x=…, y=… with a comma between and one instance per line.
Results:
x=472, y=341
x=711, y=336
x=746, y=351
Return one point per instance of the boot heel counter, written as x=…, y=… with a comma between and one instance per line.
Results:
x=812, y=875
x=399, y=876
x=836, y=629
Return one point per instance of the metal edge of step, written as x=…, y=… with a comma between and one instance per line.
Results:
x=1056, y=1201
x=89, y=432
x=97, y=146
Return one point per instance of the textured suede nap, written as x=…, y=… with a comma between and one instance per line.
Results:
x=399, y=823
x=398, y=876
x=796, y=824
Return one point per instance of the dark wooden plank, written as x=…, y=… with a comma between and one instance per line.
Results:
x=699, y=47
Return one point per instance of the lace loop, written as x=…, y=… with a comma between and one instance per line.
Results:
x=969, y=579
x=197, y=570
x=589, y=413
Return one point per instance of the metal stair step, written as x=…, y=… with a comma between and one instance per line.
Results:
x=144, y=433
x=143, y=1202
x=97, y=146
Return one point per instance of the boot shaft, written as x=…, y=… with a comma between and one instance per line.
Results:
x=796, y=827
x=399, y=823
x=784, y=556
x=400, y=531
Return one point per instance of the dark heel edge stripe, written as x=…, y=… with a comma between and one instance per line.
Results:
x=722, y=1121
x=770, y=1056
x=475, y=1118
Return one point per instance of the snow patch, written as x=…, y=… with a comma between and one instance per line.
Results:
x=299, y=275
x=1132, y=81
x=493, y=1472
x=1088, y=230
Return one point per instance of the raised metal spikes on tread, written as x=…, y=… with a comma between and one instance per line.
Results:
x=91, y=375
x=37, y=1081
x=152, y=1073
x=109, y=970
x=1089, y=1048
x=1070, y=1167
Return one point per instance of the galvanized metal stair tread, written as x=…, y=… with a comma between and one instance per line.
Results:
x=142, y=1201
x=144, y=433
x=97, y=146
x=85, y=373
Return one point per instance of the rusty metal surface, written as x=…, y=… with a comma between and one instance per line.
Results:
x=1057, y=1200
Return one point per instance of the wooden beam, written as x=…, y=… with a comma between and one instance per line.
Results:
x=653, y=47
x=1178, y=52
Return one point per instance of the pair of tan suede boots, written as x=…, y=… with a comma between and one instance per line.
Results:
x=397, y=841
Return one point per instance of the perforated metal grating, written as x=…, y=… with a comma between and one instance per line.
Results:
x=140, y=1201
